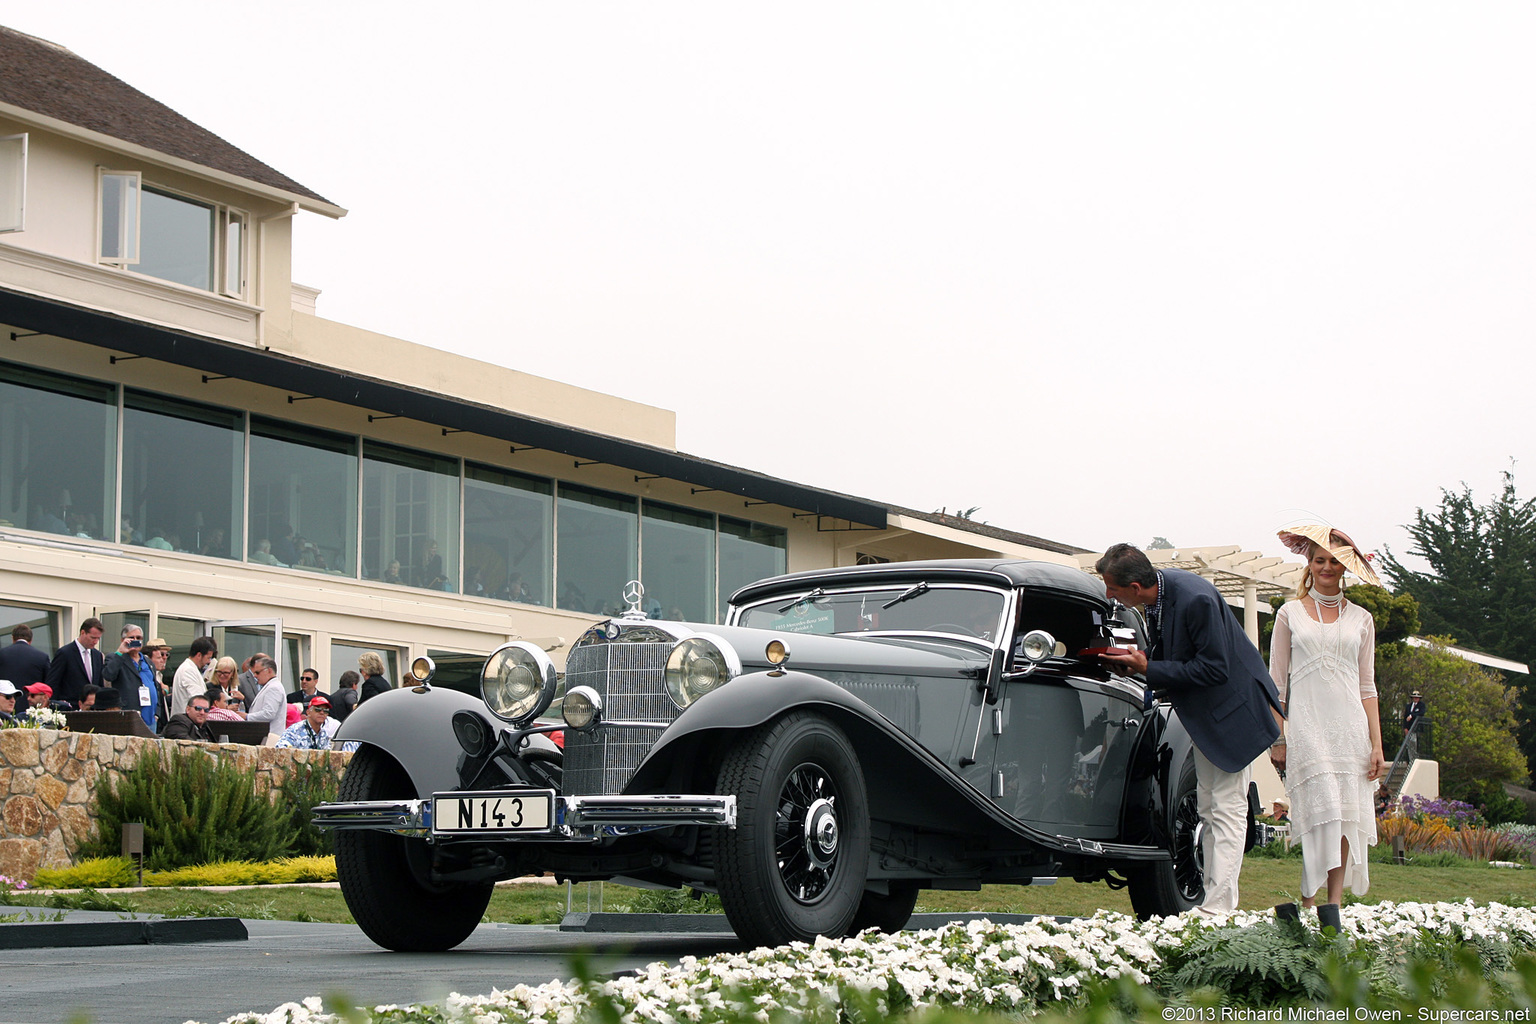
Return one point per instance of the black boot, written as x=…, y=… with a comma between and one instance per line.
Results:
x=1287, y=912
x=1328, y=917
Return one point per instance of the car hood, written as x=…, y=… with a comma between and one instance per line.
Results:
x=901, y=655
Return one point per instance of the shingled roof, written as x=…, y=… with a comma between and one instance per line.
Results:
x=47, y=79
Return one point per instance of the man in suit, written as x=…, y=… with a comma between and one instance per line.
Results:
x=77, y=664
x=1202, y=662
x=22, y=663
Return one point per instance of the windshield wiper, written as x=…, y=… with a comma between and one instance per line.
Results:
x=802, y=599
x=907, y=595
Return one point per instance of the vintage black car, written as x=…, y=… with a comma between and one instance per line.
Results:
x=850, y=737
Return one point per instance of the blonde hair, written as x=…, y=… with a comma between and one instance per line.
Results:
x=1306, y=574
x=370, y=664
x=223, y=665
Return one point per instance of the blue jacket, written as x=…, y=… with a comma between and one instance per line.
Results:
x=1207, y=667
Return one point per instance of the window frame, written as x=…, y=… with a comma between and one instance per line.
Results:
x=21, y=184
x=128, y=228
x=228, y=259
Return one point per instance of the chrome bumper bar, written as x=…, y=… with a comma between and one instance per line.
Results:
x=575, y=816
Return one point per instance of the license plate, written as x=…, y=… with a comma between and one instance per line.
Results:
x=506, y=811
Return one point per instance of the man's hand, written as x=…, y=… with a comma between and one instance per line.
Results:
x=1130, y=663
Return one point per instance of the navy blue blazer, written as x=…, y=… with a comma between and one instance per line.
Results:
x=66, y=673
x=1207, y=667
x=23, y=664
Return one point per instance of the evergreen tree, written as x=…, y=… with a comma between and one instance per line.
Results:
x=1481, y=584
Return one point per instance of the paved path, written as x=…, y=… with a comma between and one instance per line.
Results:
x=286, y=961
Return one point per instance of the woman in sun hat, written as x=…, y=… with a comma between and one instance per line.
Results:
x=1322, y=659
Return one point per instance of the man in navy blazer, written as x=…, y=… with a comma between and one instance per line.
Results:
x=22, y=663
x=1202, y=662
x=67, y=671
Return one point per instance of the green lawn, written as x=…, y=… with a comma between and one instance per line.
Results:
x=1265, y=882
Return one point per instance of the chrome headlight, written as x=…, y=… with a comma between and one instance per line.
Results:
x=518, y=682
x=582, y=707
x=1037, y=645
x=698, y=665
x=422, y=670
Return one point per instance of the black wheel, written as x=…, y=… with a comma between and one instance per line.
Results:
x=887, y=913
x=386, y=879
x=794, y=866
x=1175, y=885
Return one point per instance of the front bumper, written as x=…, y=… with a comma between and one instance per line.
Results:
x=576, y=817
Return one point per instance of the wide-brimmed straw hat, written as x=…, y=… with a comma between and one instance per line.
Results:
x=1301, y=538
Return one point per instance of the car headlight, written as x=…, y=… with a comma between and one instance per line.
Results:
x=518, y=682
x=582, y=707
x=698, y=665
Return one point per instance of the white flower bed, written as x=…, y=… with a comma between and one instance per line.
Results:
x=979, y=965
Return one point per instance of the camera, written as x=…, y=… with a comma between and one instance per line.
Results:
x=135, y=643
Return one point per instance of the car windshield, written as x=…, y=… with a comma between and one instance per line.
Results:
x=905, y=608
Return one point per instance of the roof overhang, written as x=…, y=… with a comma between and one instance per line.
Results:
x=272, y=369
x=1476, y=657
x=1232, y=571
x=152, y=156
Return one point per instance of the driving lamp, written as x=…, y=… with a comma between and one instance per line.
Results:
x=777, y=652
x=1037, y=645
x=518, y=682
x=582, y=708
x=698, y=665
x=423, y=669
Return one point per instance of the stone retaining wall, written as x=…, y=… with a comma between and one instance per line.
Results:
x=48, y=780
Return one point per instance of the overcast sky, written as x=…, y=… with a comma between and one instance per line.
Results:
x=1107, y=271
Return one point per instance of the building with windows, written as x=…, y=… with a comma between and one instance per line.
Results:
x=186, y=444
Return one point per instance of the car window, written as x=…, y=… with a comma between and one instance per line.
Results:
x=963, y=611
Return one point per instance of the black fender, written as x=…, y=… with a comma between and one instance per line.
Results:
x=414, y=725
x=905, y=781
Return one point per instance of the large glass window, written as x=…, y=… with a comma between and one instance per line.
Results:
x=597, y=549
x=749, y=552
x=57, y=462
x=44, y=625
x=182, y=470
x=176, y=240
x=303, y=498
x=508, y=535
x=410, y=517
x=344, y=655
x=677, y=551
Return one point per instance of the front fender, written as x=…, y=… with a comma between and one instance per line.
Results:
x=414, y=725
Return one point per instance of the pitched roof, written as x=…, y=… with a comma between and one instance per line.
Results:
x=47, y=79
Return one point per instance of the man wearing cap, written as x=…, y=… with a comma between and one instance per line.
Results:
x=191, y=724
x=1413, y=711
x=1200, y=660
x=78, y=663
x=309, y=733
x=188, y=681
x=7, y=701
x=20, y=662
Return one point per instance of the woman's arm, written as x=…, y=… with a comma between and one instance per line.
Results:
x=1368, y=698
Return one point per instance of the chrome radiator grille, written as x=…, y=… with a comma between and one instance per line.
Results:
x=630, y=677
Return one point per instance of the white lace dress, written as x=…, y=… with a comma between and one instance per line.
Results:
x=1323, y=671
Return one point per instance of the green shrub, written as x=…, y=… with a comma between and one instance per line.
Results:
x=674, y=901
x=196, y=809
x=307, y=786
x=89, y=899
x=279, y=872
x=92, y=873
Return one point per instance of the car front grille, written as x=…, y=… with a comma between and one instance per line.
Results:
x=631, y=678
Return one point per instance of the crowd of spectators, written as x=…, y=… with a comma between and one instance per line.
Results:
x=205, y=689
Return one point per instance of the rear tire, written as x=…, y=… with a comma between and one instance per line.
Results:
x=386, y=879
x=794, y=866
x=1168, y=887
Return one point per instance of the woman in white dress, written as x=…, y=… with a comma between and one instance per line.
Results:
x=1322, y=659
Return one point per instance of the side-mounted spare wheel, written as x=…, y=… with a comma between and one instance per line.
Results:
x=1167, y=887
x=386, y=878
x=794, y=866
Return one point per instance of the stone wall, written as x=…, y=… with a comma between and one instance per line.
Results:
x=48, y=780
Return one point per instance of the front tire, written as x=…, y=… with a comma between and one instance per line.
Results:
x=794, y=866
x=386, y=878
x=1168, y=887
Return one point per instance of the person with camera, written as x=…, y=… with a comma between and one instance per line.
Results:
x=129, y=672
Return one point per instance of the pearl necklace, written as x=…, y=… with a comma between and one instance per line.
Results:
x=1323, y=601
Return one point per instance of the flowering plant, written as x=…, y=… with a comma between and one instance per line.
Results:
x=39, y=718
x=979, y=966
x=1454, y=813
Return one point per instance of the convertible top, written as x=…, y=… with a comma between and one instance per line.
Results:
x=1047, y=576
